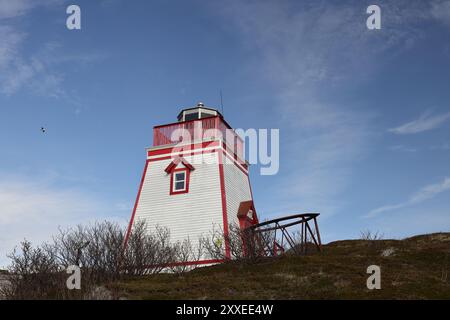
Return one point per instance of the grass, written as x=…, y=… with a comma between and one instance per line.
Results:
x=413, y=268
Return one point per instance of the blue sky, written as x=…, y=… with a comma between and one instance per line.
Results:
x=364, y=115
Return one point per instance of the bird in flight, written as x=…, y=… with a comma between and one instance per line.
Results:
x=43, y=130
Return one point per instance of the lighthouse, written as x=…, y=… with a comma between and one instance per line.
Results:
x=195, y=179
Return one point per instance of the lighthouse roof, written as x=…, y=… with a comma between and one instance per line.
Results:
x=200, y=111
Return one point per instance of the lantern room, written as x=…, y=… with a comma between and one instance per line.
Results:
x=198, y=112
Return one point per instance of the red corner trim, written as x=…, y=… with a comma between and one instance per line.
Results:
x=224, y=207
x=255, y=215
x=136, y=204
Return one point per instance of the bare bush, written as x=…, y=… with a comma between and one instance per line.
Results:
x=34, y=274
x=184, y=253
x=371, y=236
x=242, y=245
x=148, y=253
x=98, y=249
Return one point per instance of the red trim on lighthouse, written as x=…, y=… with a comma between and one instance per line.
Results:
x=136, y=204
x=235, y=155
x=172, y=170
x=192, y=263
x=224, y=207
x=253, y=200
x=189, y=154
x=235, y=162
x=176, y=161
x=182, y=148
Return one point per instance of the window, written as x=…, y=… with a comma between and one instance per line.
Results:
x=191, y=116
x=179, y=181
x=207, y=114
x=179, y=178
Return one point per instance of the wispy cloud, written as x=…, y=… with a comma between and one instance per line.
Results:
x=15, y=8
x=11, y=9
x=35, y=73
x=33, y=208
x=38, y=72
x=402, y=148
x=10, y=40
x=426, y=193
x=426, y=122
x=16, y=70
x=304, y=48
x=442, y=146
x=440, y=10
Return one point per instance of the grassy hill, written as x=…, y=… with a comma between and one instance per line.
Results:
x=413, y=268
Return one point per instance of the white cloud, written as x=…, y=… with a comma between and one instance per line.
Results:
x=15, y=8
x=11, y=9
x=413, y=221
x=426, y=122
x=33, y=208
x=426, y=193
x=304, y=50
x=10, y=40
x=333, y=136
x=444, y=146
x=16, y=71
x=440, y=10
x=13, y=81
x=38, y=72
x=402, y=148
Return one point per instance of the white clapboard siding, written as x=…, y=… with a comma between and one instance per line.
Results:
x=187, y=215
x=237, y=189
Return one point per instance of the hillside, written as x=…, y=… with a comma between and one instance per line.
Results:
x=413, y=268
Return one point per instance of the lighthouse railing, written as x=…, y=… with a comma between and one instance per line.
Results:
x=197, y=130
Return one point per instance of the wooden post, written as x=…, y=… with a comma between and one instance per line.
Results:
x=318, y=233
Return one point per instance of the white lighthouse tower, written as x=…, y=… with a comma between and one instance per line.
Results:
x=195, y=179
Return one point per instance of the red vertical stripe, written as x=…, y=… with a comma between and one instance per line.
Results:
x=224, y=206
x=136, y=204
x=251, y=194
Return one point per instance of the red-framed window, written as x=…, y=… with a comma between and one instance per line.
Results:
x=179, y=181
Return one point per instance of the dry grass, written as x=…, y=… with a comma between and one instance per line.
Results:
x=418, y=269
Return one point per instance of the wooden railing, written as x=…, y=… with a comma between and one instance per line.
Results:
x=197, y=130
